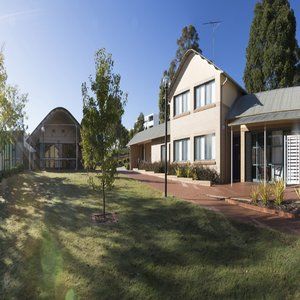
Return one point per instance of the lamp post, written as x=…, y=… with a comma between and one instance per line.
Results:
x=43, y=147
x=166, y=82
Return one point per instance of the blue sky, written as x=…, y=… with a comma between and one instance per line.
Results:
x=49, y=46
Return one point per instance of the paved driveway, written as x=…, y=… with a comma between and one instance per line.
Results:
x=199, y=195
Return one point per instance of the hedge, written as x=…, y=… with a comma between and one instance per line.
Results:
x=188, y=170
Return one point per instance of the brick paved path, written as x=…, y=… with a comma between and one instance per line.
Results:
x=198, y=195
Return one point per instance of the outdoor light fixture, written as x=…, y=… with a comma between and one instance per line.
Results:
x=165, y=84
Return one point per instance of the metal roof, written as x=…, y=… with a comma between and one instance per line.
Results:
x=149, y=134
x=274, y=101
x=268, y=117
x=51, y=113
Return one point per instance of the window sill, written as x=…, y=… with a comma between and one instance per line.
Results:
x=181, y=115
x=205, y=162
x=205, y=107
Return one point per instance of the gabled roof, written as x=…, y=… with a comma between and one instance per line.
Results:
x=185, y=59
x=50, y=114
x=280, y=104
x=149, y=134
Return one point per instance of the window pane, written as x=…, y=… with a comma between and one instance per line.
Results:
x=202, y=147
x=213, y=92
x=197, y=97
x=176, y=149
x=185, y=100
x=208, y=147
x=277, y=156
x=202, y=93
x=177, y=105
x=184, y=150
x=184, y=103
x=277, y=139
x=197, y=148
x=205, y=94
x=208, y=94
x=213, y=147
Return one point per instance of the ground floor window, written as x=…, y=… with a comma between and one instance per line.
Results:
x=204, y=147
x=181, y=150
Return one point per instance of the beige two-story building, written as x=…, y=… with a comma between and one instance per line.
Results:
x=214, y=122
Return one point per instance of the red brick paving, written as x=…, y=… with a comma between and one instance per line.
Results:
x=198, y=195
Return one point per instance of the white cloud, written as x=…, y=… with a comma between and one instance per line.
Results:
x=15, y=15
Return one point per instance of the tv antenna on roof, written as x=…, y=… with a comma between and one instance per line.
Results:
x=214, y=25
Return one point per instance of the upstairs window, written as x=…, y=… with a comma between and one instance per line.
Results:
x=205, y=147
x=181, y=103
x=205, y=94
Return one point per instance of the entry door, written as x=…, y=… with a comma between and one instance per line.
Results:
x=236, y=157
x=293, y=159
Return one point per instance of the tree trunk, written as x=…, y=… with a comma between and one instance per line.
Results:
x=103, y=197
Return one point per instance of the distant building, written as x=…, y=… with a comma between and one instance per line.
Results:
x=56, y=142
x=151, y=120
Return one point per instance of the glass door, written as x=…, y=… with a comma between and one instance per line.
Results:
x=257, y=147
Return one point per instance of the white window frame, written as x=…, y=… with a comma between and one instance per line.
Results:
x=202, y=92
x=180, y=97
x=203, y=147
x=180, y=150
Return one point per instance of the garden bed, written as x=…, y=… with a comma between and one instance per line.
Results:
x=176, y=178
x=288, y=209
x=109, y=218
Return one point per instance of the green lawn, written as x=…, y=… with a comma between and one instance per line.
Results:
x=160, y=249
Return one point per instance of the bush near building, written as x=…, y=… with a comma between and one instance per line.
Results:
x=188, y=170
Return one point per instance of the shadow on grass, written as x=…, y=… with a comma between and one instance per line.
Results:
x=160, y=249
x=169, y=248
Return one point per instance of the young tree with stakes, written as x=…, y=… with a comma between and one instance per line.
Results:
x=103, y=107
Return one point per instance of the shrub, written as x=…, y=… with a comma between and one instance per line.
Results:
x=144, y=165
x=158, y=167
x=15, y=170
x=172, y=168
x=190, y=170
x=254, y=194
x=181, y=171
x=195, y=171
x=265, y=192
x=203, y=173
x=278, y=191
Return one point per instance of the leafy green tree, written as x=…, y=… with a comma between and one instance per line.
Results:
x=297, y=72
x=271, y=52
x=103, y=107
x=12, y=105
x=139, y=124
x=122, y=136
x=189, y=39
